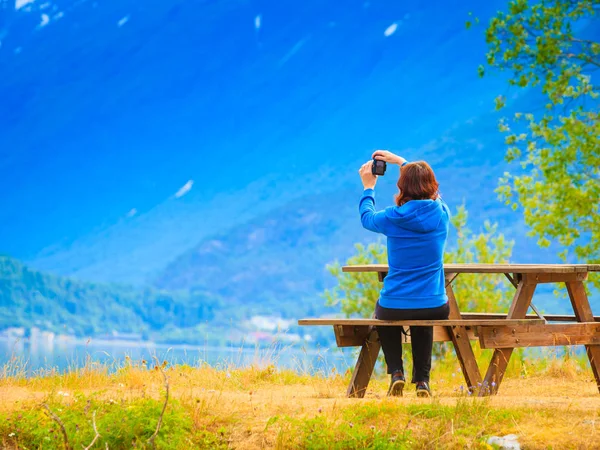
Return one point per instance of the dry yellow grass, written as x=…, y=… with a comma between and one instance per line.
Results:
x=554, y=406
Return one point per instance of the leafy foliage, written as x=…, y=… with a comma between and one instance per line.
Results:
x=357, y=293
x=492, y=291
x=543, y=45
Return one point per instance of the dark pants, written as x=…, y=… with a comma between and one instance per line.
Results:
x=421, y=338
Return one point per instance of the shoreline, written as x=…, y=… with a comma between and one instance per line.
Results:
x=95, y=342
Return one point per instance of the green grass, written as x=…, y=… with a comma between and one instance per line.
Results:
x=263, y=407
x=382, y=425
x=121, y=424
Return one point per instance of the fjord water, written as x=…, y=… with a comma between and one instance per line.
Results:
x=30, y=358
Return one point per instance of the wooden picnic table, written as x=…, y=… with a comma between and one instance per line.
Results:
x=501, y=332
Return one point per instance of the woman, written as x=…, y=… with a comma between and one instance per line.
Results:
x=414, y=289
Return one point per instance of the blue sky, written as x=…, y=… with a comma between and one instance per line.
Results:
x=112, y=111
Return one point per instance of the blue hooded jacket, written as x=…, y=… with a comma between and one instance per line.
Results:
x=416, y=236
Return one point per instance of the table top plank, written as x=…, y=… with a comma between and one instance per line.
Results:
x=490, y=268
x=447, y=323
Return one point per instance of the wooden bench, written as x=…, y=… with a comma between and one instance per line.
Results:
x=353, y=332
x=501, y=332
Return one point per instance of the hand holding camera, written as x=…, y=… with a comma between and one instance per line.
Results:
x=388, y=157
x=377, y=167
x=369, y=180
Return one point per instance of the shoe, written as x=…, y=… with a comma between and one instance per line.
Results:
x=397, y=384
x=423, y=389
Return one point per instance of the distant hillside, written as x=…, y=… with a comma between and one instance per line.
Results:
x=277, y=260
x=109, y=108
x=29, y=298
x=275, y=263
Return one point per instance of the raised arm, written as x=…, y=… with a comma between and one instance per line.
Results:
x=370, y=219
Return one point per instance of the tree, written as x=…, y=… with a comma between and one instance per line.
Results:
x=480, y=292
x=357, y=293
x=548, y=47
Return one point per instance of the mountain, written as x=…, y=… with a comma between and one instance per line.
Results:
x=111, y=108
x=275, y=263
x=210, y=149
x=29, y=298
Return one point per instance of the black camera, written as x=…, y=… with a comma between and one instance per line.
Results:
x=378, y=167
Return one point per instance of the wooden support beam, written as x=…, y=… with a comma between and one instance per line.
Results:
x=499, y=362
x=539, y=335
x=462, y=344
x=513, y=279
x=450, y=277
x=583, y=312
x=364, y=365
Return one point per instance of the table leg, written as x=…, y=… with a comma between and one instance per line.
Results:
x=518, y=310
x=462, y=345
x=364, y=365
x=583, y=313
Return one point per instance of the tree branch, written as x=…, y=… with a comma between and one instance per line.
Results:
x=582, y=41
x=591, y=61
x=60, y=424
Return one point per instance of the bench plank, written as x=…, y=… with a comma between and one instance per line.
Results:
x=540, y=335
x=548, y=317
x=422, y=323
x=355, y=335
x=490, y=268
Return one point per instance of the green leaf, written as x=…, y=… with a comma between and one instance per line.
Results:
x=481, y=71
x=556, y=144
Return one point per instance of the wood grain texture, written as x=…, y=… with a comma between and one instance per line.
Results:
x=583, y=312
x=424, y=323
x=491, y=268
x=355, y=335
x=539, y=335
x=548, y=317
x=364, y=365
x=499, y=362
x=462, y=343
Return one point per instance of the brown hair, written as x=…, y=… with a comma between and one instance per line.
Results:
x=417, y=182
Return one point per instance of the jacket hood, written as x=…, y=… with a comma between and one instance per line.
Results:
x=421, y=216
